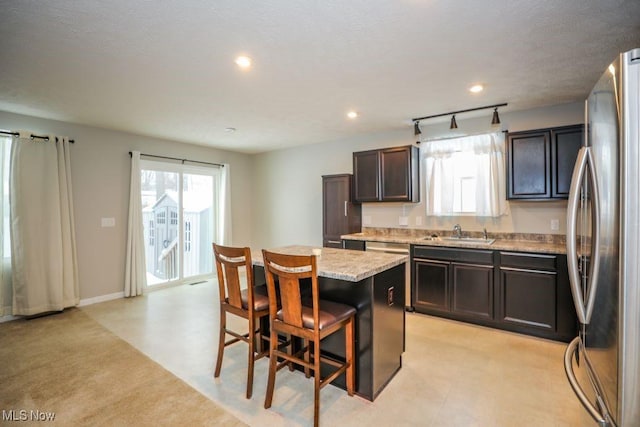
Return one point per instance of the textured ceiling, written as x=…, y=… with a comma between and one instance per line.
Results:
x=165, y=68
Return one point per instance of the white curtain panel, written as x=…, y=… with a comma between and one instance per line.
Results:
x=5, y=262
x=488, y=152
x=224, y=224
x=135, y=267
x=44, y=261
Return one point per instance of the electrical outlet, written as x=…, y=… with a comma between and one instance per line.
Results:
x=555, y=225
x=366, y=219
x=108, y=222
x=418, y=220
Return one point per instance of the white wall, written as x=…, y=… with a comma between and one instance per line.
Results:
x=276, y=196
x=288, y=184
x=100, y=167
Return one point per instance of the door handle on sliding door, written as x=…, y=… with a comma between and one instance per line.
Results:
x=583, y=162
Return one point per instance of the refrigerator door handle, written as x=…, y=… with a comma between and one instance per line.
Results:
x=583, y=310
x=596, y=414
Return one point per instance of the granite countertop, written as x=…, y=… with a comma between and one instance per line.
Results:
x=341, y=264
x=537, y=243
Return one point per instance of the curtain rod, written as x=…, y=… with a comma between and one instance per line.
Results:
x=46, y=138
x=417, y=119
x=182, y=160
x=444, y=138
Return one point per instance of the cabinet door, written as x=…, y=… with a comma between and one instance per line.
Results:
x=472, y=290
x=335, y=196
x=431, y=285
x=565, y=144
x=528, y=298
x=395, y=164
x=528, y=165
x=366, y=167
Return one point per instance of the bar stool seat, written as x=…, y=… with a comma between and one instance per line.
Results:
x=260, y=301
x=329, y=314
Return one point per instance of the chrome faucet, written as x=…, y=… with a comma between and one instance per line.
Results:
x=484, y=232
x=457, y=230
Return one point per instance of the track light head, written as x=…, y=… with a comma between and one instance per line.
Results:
x=453, y=124
x=496, y=118
x=416, y=128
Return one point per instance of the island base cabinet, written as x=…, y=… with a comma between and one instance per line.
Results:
x=380, y=323
x=380, y=326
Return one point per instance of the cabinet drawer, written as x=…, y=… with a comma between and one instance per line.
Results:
x=528, y=261
x=474, y=256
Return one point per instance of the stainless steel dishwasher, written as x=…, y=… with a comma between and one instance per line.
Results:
x=395, y=248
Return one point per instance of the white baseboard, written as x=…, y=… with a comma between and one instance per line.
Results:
x=83, y=302
x=101, y=298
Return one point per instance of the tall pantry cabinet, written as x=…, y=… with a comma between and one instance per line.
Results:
x=340, y=215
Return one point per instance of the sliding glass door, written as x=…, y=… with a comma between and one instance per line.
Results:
x=179, y=214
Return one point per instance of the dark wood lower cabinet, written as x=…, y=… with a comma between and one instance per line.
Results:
x=535, y=297
x=431, y=289
x=520, y=292
x=472, y=290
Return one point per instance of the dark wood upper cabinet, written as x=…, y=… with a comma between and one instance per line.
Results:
x=366, y=170
x=565, y=144
x=339, y=214
x=540, y=162
x=387, y=175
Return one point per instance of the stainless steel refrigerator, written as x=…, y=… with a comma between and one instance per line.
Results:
x=603, y=251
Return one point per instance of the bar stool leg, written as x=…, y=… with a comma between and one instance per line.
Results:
x=273, y=346
x=349, y=343
x=223, y=327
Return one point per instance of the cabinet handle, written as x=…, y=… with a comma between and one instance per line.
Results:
x=334, y=241
x=390, y=296
x=345, y=208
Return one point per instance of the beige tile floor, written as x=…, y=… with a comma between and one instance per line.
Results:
x=453, y=374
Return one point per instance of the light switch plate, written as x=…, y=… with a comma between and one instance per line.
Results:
x=108, y=222
x=403, y=220
x=366, y=220
x=555, y=224
x=418, y=220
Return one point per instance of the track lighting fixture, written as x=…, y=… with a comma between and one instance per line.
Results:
x=417, y=131
x=416, y=128
x=496, y=118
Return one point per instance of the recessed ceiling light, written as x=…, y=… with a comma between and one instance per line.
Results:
x=229, y=130
x=243, y=62
x=476, y=88
x=352, y=114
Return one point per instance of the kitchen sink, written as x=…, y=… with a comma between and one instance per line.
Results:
x=475, y=240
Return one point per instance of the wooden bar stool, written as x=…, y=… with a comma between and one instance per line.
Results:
x=310, y=320
x=246, y=303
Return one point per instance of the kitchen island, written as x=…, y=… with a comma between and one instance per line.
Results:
x=373, y=283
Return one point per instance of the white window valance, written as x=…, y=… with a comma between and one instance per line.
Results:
x=452, y=176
